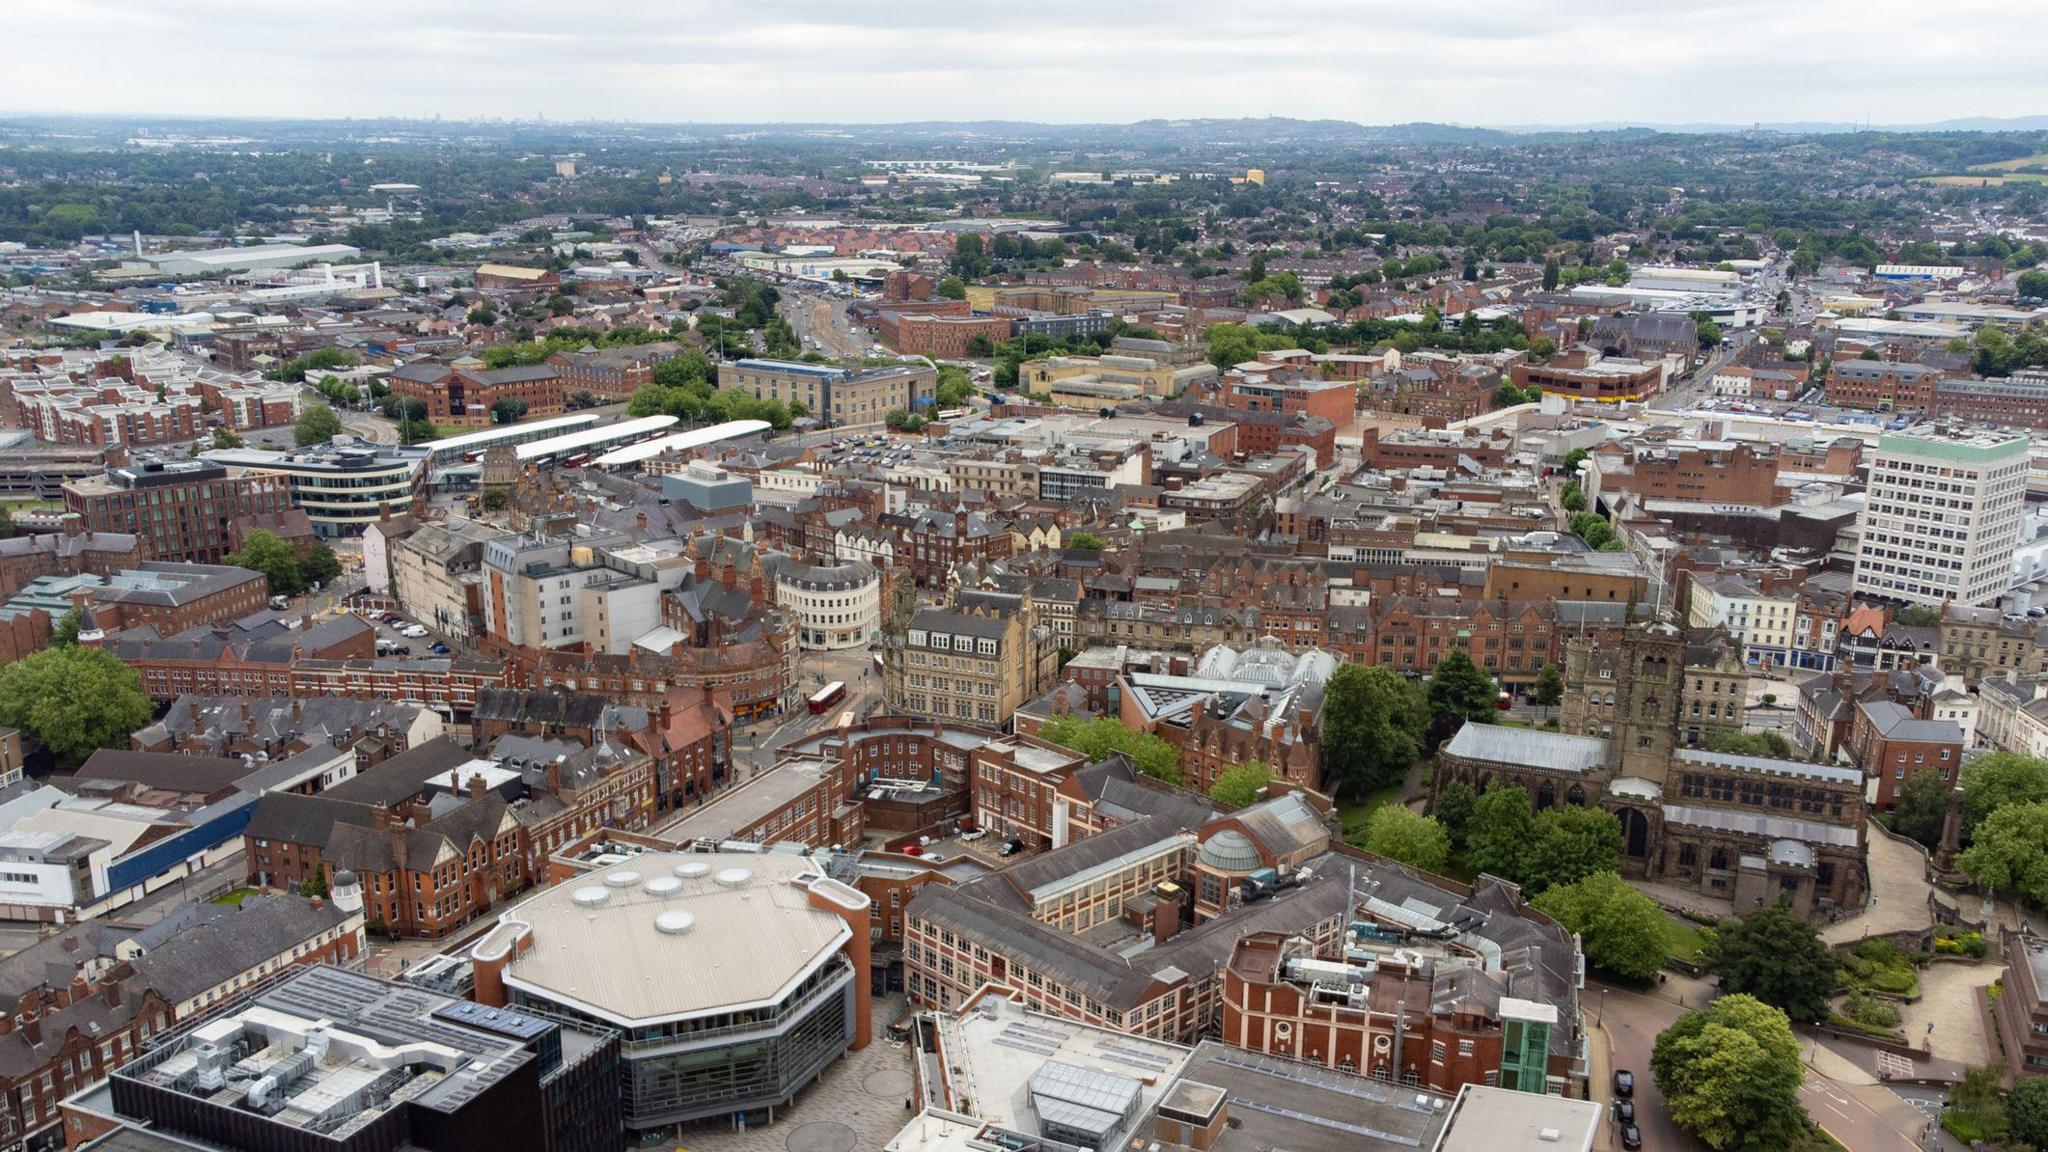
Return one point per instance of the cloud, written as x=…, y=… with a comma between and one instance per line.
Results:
x=1374, y=61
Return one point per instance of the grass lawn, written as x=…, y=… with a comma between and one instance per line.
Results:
x=1353, y=816
x=1819, y=1141
x=234, y=896
x=1683, y=940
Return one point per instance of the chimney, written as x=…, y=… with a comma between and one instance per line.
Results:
x=477, y=788
x=110, y=988
x=398, y=834
x=32, y=1027
x=554, y=776
x=641, y=519
x=380, y=818
x=729, y=575
x=80, y=989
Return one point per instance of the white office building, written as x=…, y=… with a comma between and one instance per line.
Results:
x=1941, y=517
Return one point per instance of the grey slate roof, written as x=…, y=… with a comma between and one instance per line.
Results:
x=1528, y=747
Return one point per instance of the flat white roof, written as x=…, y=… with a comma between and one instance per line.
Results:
x=596, y=944
x=589, y=437
x=681, y=441
x=492, y=435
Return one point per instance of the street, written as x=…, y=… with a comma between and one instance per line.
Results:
x=821, y=322
x=1631, y=1021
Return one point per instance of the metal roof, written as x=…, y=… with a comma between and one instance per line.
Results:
x=591, y=437
x=1529, y=747
x=469, y=440
x=681, y=441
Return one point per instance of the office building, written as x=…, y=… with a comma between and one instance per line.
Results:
x=735, y=977
x=1941, y=517
x=343, y=486
x=181, y=510
x=336, y=1060
x=833, y=394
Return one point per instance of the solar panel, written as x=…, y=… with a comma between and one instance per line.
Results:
x=1035, y=1049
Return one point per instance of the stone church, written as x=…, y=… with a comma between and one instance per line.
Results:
x=1744, y=829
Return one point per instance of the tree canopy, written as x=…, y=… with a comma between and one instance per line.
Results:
x=1921, y=808
x=290, y=569
x=1463, y=690
x=316, y=425
x=1240, y=784
x=1400, y=834
x=1776, y=957
x=1621, y=929
x=1731, y=1074
x=1999, y=780
x=2009, y=851
x=1098, y=736
x=1373, y=723
x=73, y=700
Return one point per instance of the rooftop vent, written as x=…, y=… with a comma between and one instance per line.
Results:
x=734, y=877
x=674, y=922
x=663, y=886
x=590, y=897
x=626, y=879
x=694, y=870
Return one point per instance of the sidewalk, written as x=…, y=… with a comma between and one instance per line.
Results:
x=1599, y=1074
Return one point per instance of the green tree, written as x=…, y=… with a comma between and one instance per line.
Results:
x=1621, y=929
x=2009, y=851
x=73, y=700
x=1569, y=844
x=508, y=410
x=1085, y=542
x=1240, y=784
x=1571, y=497
x=1731, y=1074
x=318, y=564
x=1400, y=834
x=1550, y=274
x=1776, y=957
x=2034, y=282
x=316, y=425
x=1573, y=459
x=483, y=314
x=1099, y=736
x=2000, y=780
x=952, y=288
x=1497, y=839
x=2026, y=1107
x=1454, y=803
x=224, y=437
x=1549, y=688
x=496, y=500
x=266, y=552
x=1733, y=743
x=1980, y=1097
x=1922, y=806
x=1462, y=690
x=1373, y=723
x=953, y=387
x=64, y=633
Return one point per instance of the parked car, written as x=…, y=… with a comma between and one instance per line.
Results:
x=439, y=649
x=1625, y=1111
x=1631, y=1138
x=412, y=632
x=1012, y=847
x=973, y=835
x=1624, y=1082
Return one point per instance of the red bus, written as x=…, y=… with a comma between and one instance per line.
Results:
x=827, y=696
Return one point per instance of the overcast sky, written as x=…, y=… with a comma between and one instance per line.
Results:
x=1372, y=61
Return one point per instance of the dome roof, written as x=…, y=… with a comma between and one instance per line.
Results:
x=344, y=878
x=1230, y=851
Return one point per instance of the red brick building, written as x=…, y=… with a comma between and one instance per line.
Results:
x=943, y=337
x=180, y=510
x=172, y=598
x=1892, y=743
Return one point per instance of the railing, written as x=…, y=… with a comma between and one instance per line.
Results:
x=794, y=1009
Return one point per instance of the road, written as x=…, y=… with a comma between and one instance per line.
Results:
x=1631, y=1022
x=1849, y=1120
x=822, y=324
